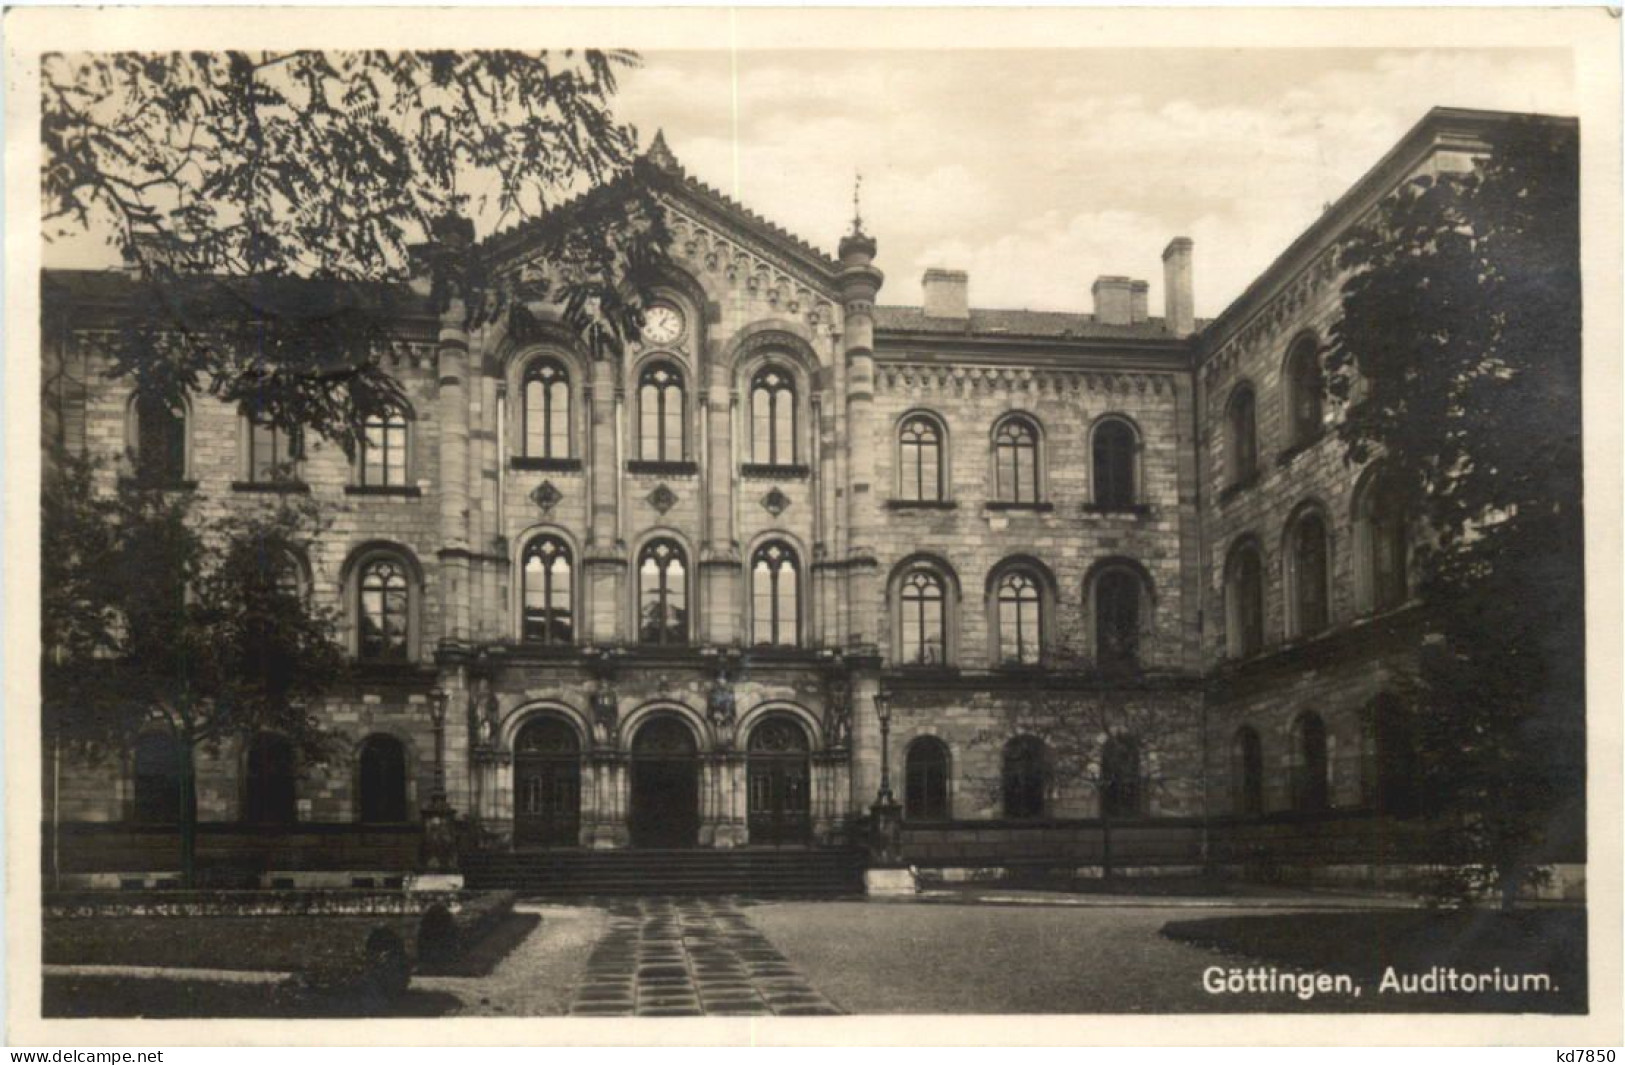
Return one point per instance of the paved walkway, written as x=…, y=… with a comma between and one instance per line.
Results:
x=688, y=957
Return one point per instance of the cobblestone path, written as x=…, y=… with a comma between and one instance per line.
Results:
x=688, y=957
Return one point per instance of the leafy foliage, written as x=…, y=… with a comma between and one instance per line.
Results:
x=1458, y=355
x=224, y=177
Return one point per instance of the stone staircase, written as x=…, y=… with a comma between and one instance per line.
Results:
x=741, y=871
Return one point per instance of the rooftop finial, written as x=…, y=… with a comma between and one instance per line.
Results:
x=659, y=154
x=857, y=209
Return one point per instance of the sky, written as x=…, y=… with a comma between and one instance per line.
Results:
x=1038, y=171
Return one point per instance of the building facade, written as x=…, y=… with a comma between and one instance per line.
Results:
x=654, y=600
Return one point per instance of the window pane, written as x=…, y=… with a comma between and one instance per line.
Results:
x=262, y=453
x=649, y=417
x=762, y=601
x=672, y=442
x=676, y=602
x=652, y=600
x=787, y=614
x=535, y=418
x=784, y=419
x=558, y=420
x=761, y=444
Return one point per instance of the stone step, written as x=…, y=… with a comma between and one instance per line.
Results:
x=674, y=872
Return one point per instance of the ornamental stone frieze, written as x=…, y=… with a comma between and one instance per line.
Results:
x=707, y=251
x=972, y=380
x=1276, y=316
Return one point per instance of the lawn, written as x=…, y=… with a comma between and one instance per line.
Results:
x=254, y=944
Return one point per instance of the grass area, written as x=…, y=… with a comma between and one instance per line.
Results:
x=112, y=996
x=253, y=944
x=1367, y=944
x=1158, y=886
x=483, y=956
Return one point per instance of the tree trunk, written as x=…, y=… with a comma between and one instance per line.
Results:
x=188, y=812
x=1106, y=849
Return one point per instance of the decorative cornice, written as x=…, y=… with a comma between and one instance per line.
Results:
x=962, y=380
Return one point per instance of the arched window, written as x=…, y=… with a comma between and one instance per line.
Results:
x=157, y=439
x=547, y=410
x=923, y=599
x=1306, y=389
x=1382, y=542
x=1114, y=450
x=1025, y=777
x=661, y=413
x=547, y=617
x=1310, y=783
x=925, y=793
x=1309, y=561
x=269, y=796
x=1247, y=772
x=271, y=450
x=1390, y=771
x=919, y=446
x=773, y=417
x=1122, y=784
x=383, y=780
x=662, y=593
x=775, y=595
x=1244, y=601
x=383, y=610
x=1241, y=434
x=382, y=461
x=160, y=788
x=1117, y=595
x=1015, y=461
x=1019, y=600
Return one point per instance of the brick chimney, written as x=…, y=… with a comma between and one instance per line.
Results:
x=1180, y=317
x=947, y=293
x=1114, y=300
x=1139, y=293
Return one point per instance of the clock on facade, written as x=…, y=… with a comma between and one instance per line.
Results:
x=662, y=324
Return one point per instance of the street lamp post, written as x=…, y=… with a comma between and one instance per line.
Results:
x=883, y=713
x=886, y=817
x=439, y=838
x=437, y=716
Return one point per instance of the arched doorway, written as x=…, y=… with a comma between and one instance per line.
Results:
x=665, y=785
x=546, y=784
x=776, y=763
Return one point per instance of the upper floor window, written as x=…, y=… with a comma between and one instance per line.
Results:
x=1241, y=434
x=547, y=615
x=773, y=417
x=1244, y=601
x=383, y=610
x=923, y=603
x=661, y=413
x=271, y=451
x=1305, y=390
x=662, y=593
x=1015, y=461
x=1382, y=546
x=919, y=446
x=1115, y=446
x=1019, y=617
x=775, y=595
x=1310, y=781
x=382, y=459
x=156, y=439
x=1117, y=593
x=1122, y=787
x=547, y=410
x=1308, y=561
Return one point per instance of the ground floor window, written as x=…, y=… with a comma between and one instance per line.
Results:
x=925, y=793
x=1024, y=777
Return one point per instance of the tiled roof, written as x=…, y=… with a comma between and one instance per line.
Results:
x=1056, y=325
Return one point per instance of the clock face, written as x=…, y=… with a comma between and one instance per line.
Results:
x=662, y=324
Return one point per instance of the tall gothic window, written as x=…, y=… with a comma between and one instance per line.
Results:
x=383, y=610
x=1241, y=434
x=1244, y=601
x=1114, y=448
x=271, y=451
x=547, y=592
x=924, y=603
x=1247, y=772
x=1309, y=580
x=1020, y=617
x=1015, y=461
x=1306, y=389
x=919, y=446
x=1025, y=777
x=547, y=410
x=1383, y=543
x=269, y=791
x=1310, y=781
x=160, y=789
x=662, y=593
x=383, y=449
x=775, y=595
x=383, y=780
x=157, y=439
x=773, y=417
x=925, y=791
x=1122, y=792
x=1117, y=619
x=661, y=413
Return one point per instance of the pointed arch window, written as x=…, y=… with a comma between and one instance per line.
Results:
x=661, y=410
x=1309, y=560
x=1241, y=435
x=1244, y=601
x=919, y=445
x=547, y=410
x=1115, y=445
x=1247, y=772
x=157, y=439
x=775, y=595
x=1020, y=611
x=923, y=600
x=1306, y=390
x=925, y=793
x=383, y=610
x=1310, y=780
x=382, y=459
x=1118, y=592
x=383, y=780
x=548, y=589
x=1025, y=777
x=773, y=417
x=1122, y=785
x=662, y=593
x=1015, y=461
